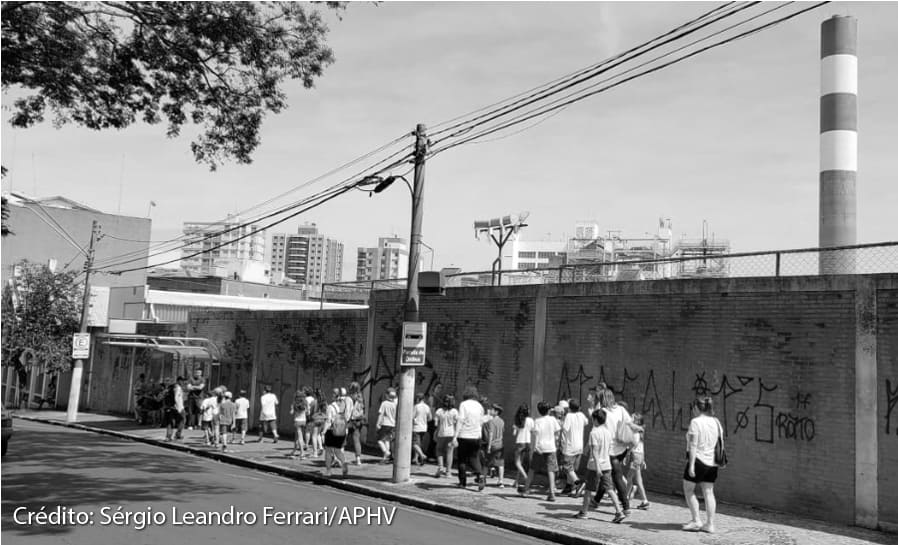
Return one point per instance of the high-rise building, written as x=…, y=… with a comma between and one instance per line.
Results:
x=225, y=245
x=388, y=260
x=307, y=257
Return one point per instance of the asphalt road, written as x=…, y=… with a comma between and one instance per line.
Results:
x=92, y=482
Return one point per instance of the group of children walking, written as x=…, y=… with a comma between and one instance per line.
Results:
x=555, y=442
x=614, y=452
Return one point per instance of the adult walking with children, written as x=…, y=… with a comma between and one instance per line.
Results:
x=701, y=468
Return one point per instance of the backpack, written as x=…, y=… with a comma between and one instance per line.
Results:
x=358, y=409
x=624, y=434
x=338, y=426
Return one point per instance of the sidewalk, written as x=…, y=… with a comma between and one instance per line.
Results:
x=500, y=507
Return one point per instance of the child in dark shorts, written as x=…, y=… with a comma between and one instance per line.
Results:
x=495, y=429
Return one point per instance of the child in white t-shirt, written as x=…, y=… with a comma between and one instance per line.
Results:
x=523, y=428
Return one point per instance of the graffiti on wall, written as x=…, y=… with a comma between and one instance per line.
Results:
x=745, y=404
x=891, y=402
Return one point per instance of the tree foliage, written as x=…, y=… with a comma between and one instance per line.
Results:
x=219, y=65
x=41, y=314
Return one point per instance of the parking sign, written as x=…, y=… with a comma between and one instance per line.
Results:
x=81, y=346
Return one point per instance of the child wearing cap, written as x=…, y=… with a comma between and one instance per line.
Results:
x=227, y=412
x=495, y=430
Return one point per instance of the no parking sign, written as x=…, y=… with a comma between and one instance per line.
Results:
x=81, y=346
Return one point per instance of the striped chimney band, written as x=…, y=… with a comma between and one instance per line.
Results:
x=838, y=143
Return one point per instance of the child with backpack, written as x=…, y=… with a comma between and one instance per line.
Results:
x=357, y=420
x=335, y=426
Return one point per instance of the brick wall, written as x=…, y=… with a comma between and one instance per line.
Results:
x=479, y=337
x=777, y=355
x=293, y=349
x=773, y=363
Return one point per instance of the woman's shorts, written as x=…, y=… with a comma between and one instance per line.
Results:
x=443, y=445
x=496, y=457
x=385, y=433
x=333, y=441
x=300, y=422
x=703, y=473
x=637, y=460
x=545, y=462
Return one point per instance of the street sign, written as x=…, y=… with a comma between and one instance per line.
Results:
x=81, y=346
x=414, y=341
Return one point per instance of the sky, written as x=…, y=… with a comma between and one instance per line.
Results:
x=729, y=137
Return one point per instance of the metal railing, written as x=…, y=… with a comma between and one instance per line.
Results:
x=881, y=257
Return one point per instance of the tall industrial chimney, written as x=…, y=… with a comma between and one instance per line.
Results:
x=838, y=143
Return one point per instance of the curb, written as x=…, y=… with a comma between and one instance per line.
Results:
x=516, y=526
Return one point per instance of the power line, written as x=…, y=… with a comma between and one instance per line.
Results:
x=54, y=225
x=169, y=245
x=589, y=72
x=520, y=117
x=312, y=202
x=542, y=110
x=138, y=255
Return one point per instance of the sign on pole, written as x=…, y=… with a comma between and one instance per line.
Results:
x=81, y=346
x=414, y=341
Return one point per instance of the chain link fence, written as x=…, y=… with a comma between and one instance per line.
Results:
x=356, y=292
x=857, y=259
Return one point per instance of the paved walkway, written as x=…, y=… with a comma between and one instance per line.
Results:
x=501, y=507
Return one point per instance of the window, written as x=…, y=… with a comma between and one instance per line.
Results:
x=547, y=255
x=526, y=255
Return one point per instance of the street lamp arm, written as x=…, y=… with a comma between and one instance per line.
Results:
x=384, y=183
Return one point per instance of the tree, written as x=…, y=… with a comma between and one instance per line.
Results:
x=105, y=65
x=40, y=314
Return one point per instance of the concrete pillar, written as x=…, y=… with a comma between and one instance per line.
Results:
x=866, y=438
x=538, y=379
x=838, y=143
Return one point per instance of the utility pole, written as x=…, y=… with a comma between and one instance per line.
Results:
x=75, y=390
x=402, y=454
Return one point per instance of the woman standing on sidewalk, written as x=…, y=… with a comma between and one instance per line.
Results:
x=467, y=437
x=701, y=439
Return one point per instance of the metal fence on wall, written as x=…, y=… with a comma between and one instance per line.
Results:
x=880, y=257
x=857, y=259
